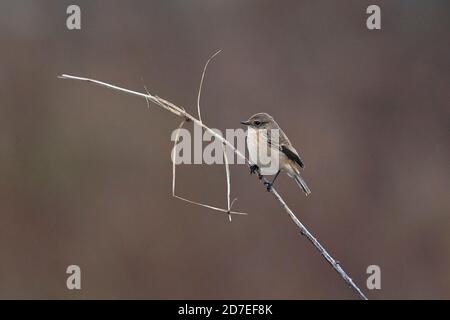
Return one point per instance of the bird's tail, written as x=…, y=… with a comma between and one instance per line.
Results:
x=302, y=184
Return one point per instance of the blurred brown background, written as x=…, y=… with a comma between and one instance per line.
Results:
x=85, y=173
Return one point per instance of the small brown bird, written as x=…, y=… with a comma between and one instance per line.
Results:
x=266, y=141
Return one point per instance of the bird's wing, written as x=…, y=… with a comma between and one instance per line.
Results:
x=273, y=142
x=283, y=145
x=293, y=155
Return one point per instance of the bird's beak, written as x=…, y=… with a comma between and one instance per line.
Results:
x=245, y=123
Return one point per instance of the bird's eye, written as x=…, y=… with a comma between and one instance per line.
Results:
x=257, y=123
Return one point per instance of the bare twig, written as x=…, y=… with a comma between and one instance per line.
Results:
x=304, y=231
x=225, y=157
x=182, y=113
x=227, y=172
x=201, y=83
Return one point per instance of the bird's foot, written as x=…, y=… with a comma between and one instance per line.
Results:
x=268, y=185
x=255, y=169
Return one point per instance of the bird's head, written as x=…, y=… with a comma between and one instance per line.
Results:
x=259, y=121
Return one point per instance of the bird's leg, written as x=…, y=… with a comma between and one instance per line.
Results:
x=255, y=169
x=270, y=184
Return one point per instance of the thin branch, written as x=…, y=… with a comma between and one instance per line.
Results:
x=201, y=83
x=304, y=231
x=227, y=166
x=181, y=113
x=209, y=207
x=227, y=172
x=162, y=103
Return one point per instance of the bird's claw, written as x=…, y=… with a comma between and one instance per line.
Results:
x=255, y=169
x=268, y=185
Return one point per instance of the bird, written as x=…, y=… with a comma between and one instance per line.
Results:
x=267, y=141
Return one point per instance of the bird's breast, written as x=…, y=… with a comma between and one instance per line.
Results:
x=260, y=152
